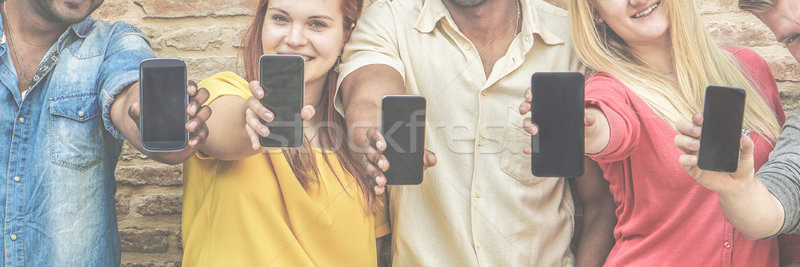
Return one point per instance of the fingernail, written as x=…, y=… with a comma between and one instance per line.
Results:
x=193, y=142
x=696, y=144
x=382, y=163
x=379, y=144
x=192, y=124
x=268, y=115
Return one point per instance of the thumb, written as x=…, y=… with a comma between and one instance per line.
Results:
x=307, y=112
x=746, y=148
x=589, y=119
x=745, y=168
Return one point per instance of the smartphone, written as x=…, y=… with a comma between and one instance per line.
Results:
x=281, y=77
x=723, y=114
x=557, y=108
x=163, y=98
x=403, y=128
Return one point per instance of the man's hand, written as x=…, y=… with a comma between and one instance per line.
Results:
x=525, y=108
x=724, y=183
x=256, y=112
x=371, y=147
x=196, y=126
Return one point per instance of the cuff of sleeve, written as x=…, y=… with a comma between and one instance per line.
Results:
x=355, y=64
x=109, y=94
x=791, y=220
x=616, y=134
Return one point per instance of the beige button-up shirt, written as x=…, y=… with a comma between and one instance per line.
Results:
x=480, y=205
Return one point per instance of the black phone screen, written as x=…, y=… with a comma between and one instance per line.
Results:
x=163, y=104
x=281, y=77
x=557, y=108
x=723, y=112
x=403, y=128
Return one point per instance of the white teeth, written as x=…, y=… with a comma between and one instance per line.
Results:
x=646, y=12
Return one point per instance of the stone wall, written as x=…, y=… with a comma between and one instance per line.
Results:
x=206, y=33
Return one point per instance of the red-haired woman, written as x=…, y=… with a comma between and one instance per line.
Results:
x=308, y=206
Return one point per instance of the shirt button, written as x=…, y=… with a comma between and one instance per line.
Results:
x=467, y=46
x=80, y=113
x=477, y=245
x=17, y=179
x=13, y=237
x=727, y=244
x=481, y=141
x=21, y=120
x=484, y=93
x=478, y=194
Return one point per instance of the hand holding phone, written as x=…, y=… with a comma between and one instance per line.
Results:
x=403, y=129
x=282, y=81
x=557, y=108
x=164, y=100
x=688, y=140
x=723, y=114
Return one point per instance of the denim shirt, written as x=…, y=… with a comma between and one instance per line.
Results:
x=59, y=149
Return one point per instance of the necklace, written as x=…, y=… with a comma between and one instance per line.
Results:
x=516, y=22
x=14, y=46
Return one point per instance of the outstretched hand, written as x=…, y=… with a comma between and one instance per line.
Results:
x=688, y=140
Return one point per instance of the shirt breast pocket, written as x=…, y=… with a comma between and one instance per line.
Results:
x=76, y=131
x=513, y=162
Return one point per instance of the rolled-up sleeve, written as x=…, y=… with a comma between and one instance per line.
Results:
x=374, y=41
x=120, y=68
x=781, y=174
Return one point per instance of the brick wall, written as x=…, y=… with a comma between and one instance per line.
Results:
x=206, y=33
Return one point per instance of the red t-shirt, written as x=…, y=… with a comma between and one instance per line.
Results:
x=665, y=218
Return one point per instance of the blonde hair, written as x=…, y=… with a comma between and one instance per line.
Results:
x=697, y=61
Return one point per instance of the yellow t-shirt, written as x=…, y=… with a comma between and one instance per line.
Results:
x=254, y=211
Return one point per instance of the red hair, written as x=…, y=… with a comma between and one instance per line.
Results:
x=304, y=165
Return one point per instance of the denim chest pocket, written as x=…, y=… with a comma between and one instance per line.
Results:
x=76, y=131
x=513, y=162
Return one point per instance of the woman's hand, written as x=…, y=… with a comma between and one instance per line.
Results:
x=595, y=126
x=256, y=112
x=688, y=140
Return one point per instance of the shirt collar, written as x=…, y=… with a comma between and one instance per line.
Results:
x=532, y=25
x=83, y=28
x=433, y=11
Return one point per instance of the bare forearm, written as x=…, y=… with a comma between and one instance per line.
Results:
x=124, y=122
x=597, y=237
x=599, y=218
x=753, y=210
x=227, y=137
x=362, y=92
